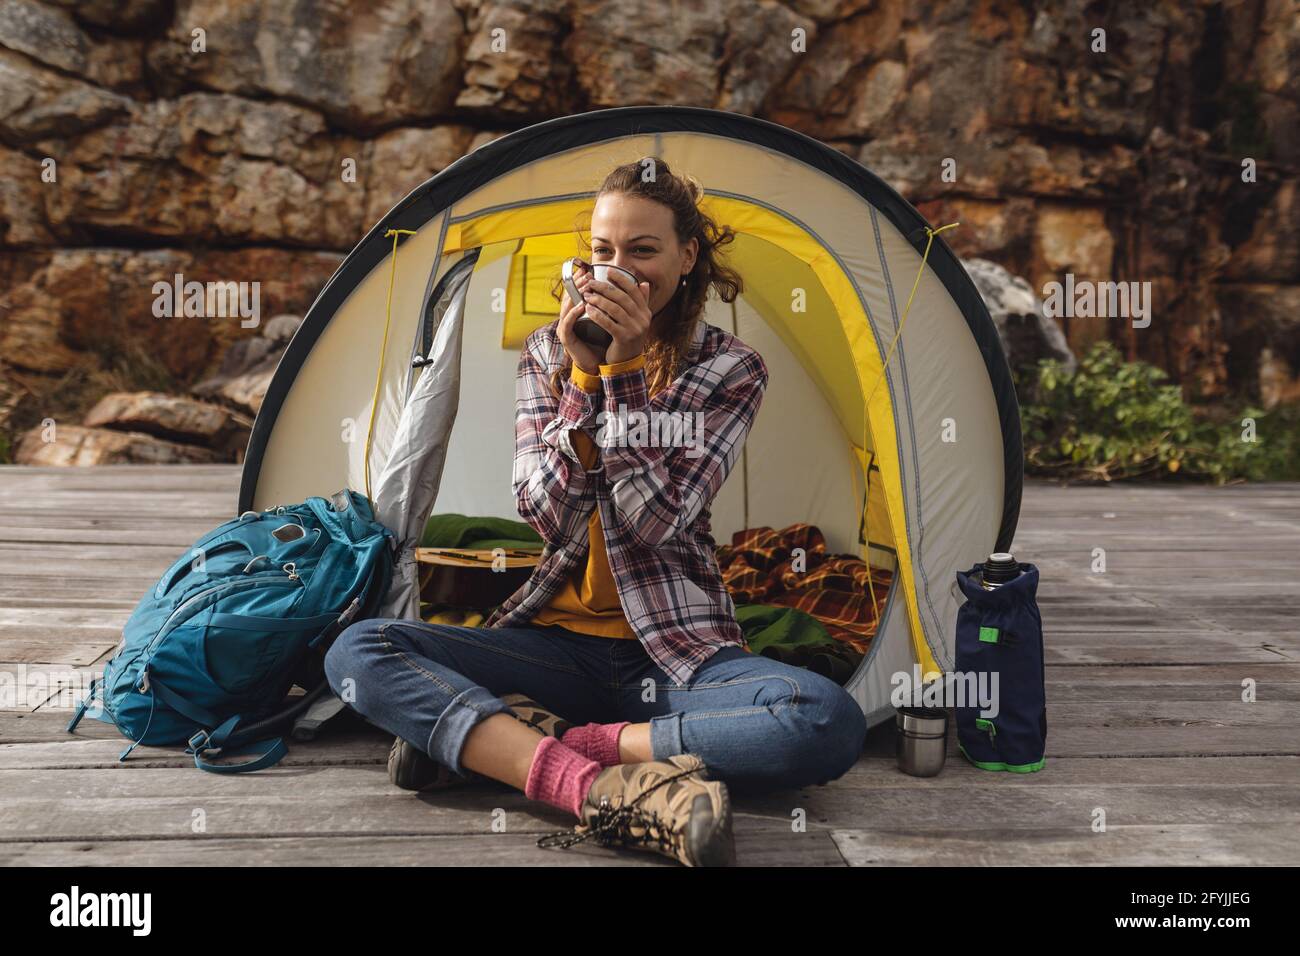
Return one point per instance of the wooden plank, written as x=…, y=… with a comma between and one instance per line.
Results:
x=21, y=726
x=754, y=847
x=1073, y=550
x=167, y=499
x=76, y=753
x=1099, y=693
x=30, y=591
x=49, y=643
x=1276, y=673
x=1220, y=652
x=980, y=804
x=122, y=472
x=170, y=536
x=1130, y=561
x=163, y=803
x=1173, y=773
x=1142, y=713
x=1274, y=579
x=69, y=554
x=78, y=654
x=184, y=506
x=1204, y=844
x=61, y=618
x=1061, y=541
x=106, y=568
x=456, y=849
x=94, y=518
x=1065, y=739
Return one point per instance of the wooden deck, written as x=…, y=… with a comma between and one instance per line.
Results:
x=1145, y=667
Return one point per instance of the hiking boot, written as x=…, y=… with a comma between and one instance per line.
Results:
x=660, y=806
x=411, y=768
x=537, y=716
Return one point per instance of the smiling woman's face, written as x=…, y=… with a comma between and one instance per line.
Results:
x=636, y=234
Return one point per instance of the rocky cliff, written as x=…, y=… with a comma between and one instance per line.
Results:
x=241, y=140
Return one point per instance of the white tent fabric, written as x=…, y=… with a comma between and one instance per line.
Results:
x=410, y=480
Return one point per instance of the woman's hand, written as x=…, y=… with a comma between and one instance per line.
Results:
x=622, y=308
x=587, y=357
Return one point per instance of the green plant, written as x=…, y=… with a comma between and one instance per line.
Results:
x=1114, y=419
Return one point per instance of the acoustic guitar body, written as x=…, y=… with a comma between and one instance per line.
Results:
x=467, y=578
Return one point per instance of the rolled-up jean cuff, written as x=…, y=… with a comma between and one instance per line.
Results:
x=666, y=736
x=465, y=710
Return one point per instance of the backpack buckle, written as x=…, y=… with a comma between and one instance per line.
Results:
x=199, y=741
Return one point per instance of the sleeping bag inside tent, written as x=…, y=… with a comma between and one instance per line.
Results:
x=901, y=446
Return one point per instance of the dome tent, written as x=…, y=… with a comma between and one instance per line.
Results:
x=400, y=378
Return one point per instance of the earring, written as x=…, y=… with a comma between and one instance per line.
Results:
x=683, y=282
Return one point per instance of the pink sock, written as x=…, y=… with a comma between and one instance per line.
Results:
x=560, y=776
x=598, y=742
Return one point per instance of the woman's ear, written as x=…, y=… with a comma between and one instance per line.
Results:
x=692, y=250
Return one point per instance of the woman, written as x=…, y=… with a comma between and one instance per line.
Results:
x=625, y=627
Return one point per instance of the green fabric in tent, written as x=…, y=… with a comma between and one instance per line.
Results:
x=767, y=625
x=477, y=533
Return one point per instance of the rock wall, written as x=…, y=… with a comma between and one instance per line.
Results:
x=131, y=155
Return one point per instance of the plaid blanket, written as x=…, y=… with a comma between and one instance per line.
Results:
x=757, y=568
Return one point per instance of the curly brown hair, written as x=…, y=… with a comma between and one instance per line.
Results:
x=681, y=194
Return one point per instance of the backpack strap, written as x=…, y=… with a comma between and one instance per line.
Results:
x=362, y=605
x=270, y=753
x=179, y=704
x=337, y=625
x=95, y=685
x=136, y=743
x=267, y=753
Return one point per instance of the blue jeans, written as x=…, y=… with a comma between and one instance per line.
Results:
x=756, y=723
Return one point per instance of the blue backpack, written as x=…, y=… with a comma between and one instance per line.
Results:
x=209, y=656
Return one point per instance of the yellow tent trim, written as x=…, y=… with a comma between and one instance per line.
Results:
x=547, y=228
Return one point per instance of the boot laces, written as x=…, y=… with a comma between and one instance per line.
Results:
x=613, y=825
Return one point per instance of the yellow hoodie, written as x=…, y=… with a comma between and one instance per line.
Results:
x=588, y=603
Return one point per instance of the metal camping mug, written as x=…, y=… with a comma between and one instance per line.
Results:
x=585, y=328
x=922, y=734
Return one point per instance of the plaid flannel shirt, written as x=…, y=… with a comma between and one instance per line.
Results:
x=653, y=500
